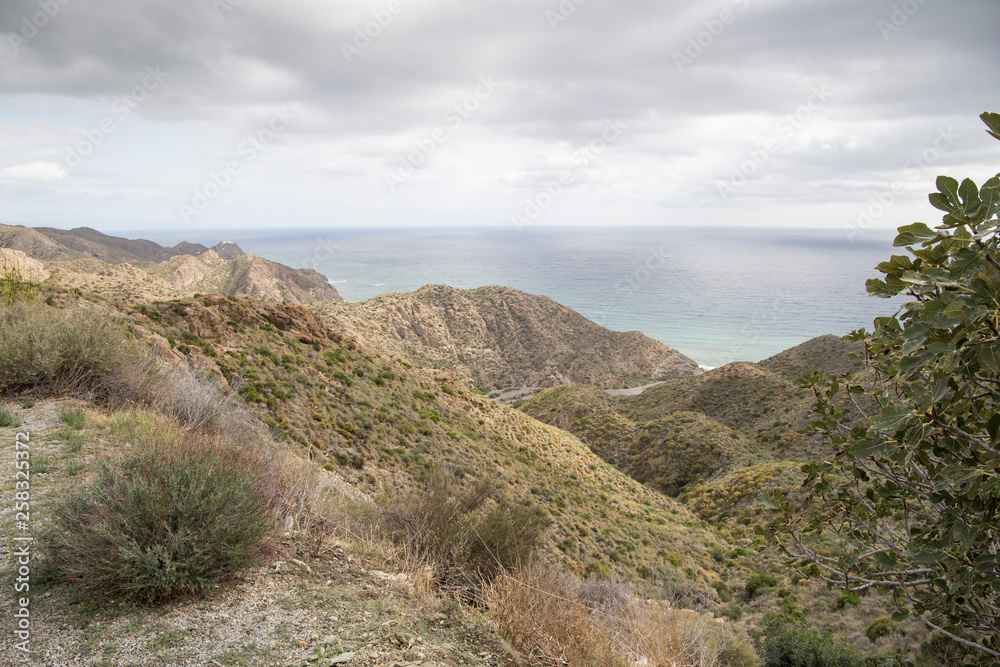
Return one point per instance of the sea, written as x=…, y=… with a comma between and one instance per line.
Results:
x=715, y=294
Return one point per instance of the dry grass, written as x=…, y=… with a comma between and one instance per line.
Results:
x=50, y=352
x=540, y=613
x=555, y=620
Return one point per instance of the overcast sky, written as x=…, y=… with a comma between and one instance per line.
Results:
x=260, y=113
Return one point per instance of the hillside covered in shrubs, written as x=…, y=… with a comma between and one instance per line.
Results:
x=222, y=437
x=216, y=423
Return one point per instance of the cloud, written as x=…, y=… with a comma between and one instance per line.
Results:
x=748, y=64
x=35, y=171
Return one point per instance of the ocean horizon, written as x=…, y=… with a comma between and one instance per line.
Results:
x=716, y=294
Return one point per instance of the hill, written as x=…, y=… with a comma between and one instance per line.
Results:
x=743, y=426
x=668, y=453
x=380, y=423
x=139, y=271
x=50, y=244
x=377, y=424
x=828, y=353
x=498, y=337
x=758, y=403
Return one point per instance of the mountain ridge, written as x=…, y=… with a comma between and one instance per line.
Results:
x=500, y=337
x=140, y=270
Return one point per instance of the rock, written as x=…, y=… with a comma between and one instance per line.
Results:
x=342, y=658
x=413, y=656
x=304, y=566
x=280, y=566
x=29, y=268
x=228, y=250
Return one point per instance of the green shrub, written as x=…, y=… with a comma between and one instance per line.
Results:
x=791, y=642
x=847, y=598
x=74, y=464
x=13, y=287
x=880, y=627
x=171, y=518
x=723, y=590
x=738, y=652
x=40, y=463
x=27, y=401
x=757, y=582
x=73, y=417
x=74, y=441
x=8, y=418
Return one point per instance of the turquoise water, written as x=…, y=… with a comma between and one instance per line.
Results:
x=716, y=294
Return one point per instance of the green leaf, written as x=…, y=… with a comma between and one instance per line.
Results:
x=989, y=357
x=955, y=310
x=901, y=615
x=940, y=202
x=993, y=428
x=892, y=416
x=990, y=192
x=992, y=121
x=949, y=188
x=927, y=556
x=918, y=232
x=970, y=196
x=869, y=448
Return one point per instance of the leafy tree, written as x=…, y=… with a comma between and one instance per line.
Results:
x=911, y=497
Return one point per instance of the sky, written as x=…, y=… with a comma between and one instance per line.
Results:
x=198, y=114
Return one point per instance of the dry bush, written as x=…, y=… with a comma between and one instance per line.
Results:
x=199, y=403
x=539, y=611
x=337, y=517
x=49, y=351
x=554, y=619
x=467, y=533
x=668, y=636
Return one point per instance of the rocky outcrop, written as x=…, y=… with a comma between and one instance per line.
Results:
x=497, y=336
x=227, y=250
x=263, y=279
x=26, y=267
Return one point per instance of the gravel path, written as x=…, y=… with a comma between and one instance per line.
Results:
x=634, y=391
